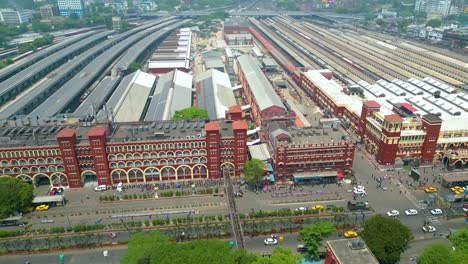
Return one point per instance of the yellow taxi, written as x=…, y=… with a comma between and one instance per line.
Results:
x=317, y=207
x=430, y=190
x=350, y=234
x=457, y=189
x=42, y=207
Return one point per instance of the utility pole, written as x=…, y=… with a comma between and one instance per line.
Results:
x=232, y=207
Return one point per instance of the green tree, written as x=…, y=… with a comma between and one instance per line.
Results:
x=434, y=23
x=15, y=196
x=254, y=171
x=38, y=26
x=280, y=256
x=437, y=253
x=190, y=113
x=380, y=22
x=312, y=236
x=156, y=248
x=386, y=237
x=134, y=66
x=459, y=239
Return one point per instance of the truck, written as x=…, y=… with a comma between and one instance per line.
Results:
x=352, y=206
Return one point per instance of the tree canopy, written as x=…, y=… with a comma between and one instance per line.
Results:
x=154, y=247
x=434, y=23
x=386, y=237
x=254, y=171
x=459, y=240
x=15, y=196
x=437, y=253
x=312, y=236
x=190, y=113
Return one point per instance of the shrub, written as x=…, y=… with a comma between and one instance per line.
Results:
x=135, y=196
x=216, y=190
x=220, y=218
x=57, y=229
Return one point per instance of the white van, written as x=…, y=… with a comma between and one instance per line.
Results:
x=119, y=187
x=100, y=188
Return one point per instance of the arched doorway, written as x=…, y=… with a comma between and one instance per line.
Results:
x=230, y=167
x=135, y=175
x=118, y=176
x=59, y=179
x=41, y=179
x=89, y=178
x=184, y=173
x=458, y=165
x=152, y=174
x=168, y=173
x=200, y=172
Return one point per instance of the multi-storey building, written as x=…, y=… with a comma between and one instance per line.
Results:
x=264, y=100
x=314, y=154
x=47, y=11
x=12, y=17
x=439, y=7
x=236, y=32
x=67, y=7
x=399, y=122
x=70, y=155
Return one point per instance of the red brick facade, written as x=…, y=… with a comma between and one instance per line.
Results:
x=111, y=161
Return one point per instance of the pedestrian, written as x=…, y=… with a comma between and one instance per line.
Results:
x=400, y=191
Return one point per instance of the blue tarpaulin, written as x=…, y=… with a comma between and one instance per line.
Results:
x=270, y=167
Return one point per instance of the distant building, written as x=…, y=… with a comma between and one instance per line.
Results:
x=12, y=17
x=236, y=32
x=67, y=7
x=48, y=11
x=116, y=23
x=349, y=251
x=434, y=7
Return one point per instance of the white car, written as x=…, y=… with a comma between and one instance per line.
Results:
x=465, y=188
x=436, y=212
x=393, y=213
x=301, y=209
x=270, y=241
x=359, y=187
x=359, y=191
x=429, y=229
x=411, y=212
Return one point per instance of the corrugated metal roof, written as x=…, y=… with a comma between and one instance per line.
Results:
x=169, y=64
x=264, y=94
x=215, y=93
x=173, y=92
x=131, y=105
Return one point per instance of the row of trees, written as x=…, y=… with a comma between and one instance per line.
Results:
x=47, y=39
x=157, y=248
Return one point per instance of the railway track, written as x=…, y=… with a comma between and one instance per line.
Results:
x=332, y=60
x=379, y=66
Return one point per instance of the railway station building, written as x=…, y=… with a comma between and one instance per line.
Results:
x=399, y=122
x=70, y=155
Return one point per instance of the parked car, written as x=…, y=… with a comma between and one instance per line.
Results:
x=359, y=187
x=350, y=234
x=100, y=188
x=359, y=191
x=393, y=213
x=317, y=207
x=436, y=211
x=411, y=212
x=301, y=209
x=270, y=241
x=428, y=228
x=42, y=207
x=301, y=248
x=430, y=189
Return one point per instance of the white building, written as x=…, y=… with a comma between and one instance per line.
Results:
x=438, y=7
x=66, y=7
x=12, y=17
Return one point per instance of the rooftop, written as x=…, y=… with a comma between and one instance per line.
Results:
x=306, y=136
x=422, y=97
x=265, y=95
x=214, y=93
x=173, y=92
x=344, y=252
x=260, y=152
x=131, y=105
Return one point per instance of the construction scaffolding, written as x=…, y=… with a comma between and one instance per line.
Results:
x=232, y=208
